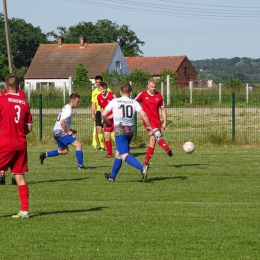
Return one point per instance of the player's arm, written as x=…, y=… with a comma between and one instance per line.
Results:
x=104, y=117
x=28, y=128
x=145, y=118
x=64, y=127
x=164, y=116
x=93, y=110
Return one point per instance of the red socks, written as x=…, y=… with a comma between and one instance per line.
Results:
x=23, y=192
x=163, y=145
x=149, y=154
x=109, y=146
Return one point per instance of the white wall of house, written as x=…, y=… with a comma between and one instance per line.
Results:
x=45, y=83
x=118, y=62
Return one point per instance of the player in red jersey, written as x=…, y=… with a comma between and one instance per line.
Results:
x=151, y=101
x=15, y=124
x=22, y=95
x=103, y=99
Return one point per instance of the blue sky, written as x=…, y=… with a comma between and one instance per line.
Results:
x=200, y=29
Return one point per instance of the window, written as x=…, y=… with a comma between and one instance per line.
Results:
x=118, y=67
x=185, y=71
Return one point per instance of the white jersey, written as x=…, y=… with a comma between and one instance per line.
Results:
x=124, y=109
x=66, y=114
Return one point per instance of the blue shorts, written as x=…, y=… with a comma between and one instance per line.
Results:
x=65, y=140
x=122, y=143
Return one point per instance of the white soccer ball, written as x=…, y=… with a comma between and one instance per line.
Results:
x=189, y=147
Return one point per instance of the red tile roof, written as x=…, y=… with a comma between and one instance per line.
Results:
x=57, y=62
x=155, y=65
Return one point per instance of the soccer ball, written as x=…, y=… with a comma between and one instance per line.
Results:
x=189, y=147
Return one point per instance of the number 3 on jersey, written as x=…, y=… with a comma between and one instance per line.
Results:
x=18, y=113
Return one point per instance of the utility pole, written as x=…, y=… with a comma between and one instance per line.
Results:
x=7, y=36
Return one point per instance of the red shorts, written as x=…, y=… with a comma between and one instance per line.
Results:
x=153, y=126
x=15, y=160
x=110, y=128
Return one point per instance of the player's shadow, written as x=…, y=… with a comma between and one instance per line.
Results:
x=185, y=165
x=137, y=154
x=61, y=212
x=59, y=180
x=150, y=180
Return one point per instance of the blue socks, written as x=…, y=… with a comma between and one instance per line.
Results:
x=131, y=160
x=116, y=167
x=79, y=156
x=52, y=153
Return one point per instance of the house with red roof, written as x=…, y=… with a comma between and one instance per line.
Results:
x=155, y=65
x=54, y=64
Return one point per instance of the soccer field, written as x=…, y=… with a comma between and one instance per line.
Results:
x=203, y=205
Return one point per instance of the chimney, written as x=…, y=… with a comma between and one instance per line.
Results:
x=60, y=41
x=82, y=41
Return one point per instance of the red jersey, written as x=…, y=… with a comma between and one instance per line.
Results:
x=14, y=116
x=20, y=93
x=103, y=101
x=151, y=104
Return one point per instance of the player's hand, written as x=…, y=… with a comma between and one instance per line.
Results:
x=108, y=124
x=93, y=118
x=73, y=131
x=163, y=125
x=70, y=132
x=109, y=117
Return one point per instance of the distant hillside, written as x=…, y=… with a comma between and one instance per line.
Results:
x=220, y=70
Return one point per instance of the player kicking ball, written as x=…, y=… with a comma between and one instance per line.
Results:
x=151, y=102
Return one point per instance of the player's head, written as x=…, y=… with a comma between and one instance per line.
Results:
x=12, y=82
x=151, y=86
x=74, y=100
x=103, y=88
x=98, y=80
x=126, y=90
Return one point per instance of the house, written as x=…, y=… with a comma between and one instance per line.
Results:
x=155, y=65
x=54, y=64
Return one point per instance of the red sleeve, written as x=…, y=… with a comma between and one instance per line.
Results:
x=139, y=97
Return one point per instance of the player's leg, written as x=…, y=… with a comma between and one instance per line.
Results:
x=115, y=168
x=159, y=138
x=19, y=167
x=62, y=143
x=100, y=135
x=79, y=154
x=107, y=131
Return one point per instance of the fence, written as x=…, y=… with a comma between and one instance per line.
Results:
x=206, y=120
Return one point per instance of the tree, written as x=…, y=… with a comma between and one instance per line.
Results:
x=233, y=83
x=81, y=80
x=139, y=78
x=104, y=31
x=173, y=77
x=24, y=39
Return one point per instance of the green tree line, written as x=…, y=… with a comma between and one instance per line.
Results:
x=221, y=70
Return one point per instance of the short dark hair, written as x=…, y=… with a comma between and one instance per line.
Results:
x=103, y=85
x=99, y=77
x=126, y=88
x=12, y=80
x=74, y=95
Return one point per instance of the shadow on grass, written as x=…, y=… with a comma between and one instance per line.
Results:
x=60, y=180
x=184, y=165
x=166, y=178
x=60, y=212
x=137, y=154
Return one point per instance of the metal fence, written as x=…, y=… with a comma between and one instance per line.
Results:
x=203, y=122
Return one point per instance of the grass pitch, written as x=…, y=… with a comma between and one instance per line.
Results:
x=203, y=205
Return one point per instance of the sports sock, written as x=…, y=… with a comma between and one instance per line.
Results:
x=52, y=153
x=116, y=167
x=164, y=146
x=79, y=156
x=149, y=154
x=131, y=160
x=109, y=146
x=101, y=140
x=23, y=191
x=113, y=136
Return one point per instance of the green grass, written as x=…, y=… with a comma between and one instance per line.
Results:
x=199, y=206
